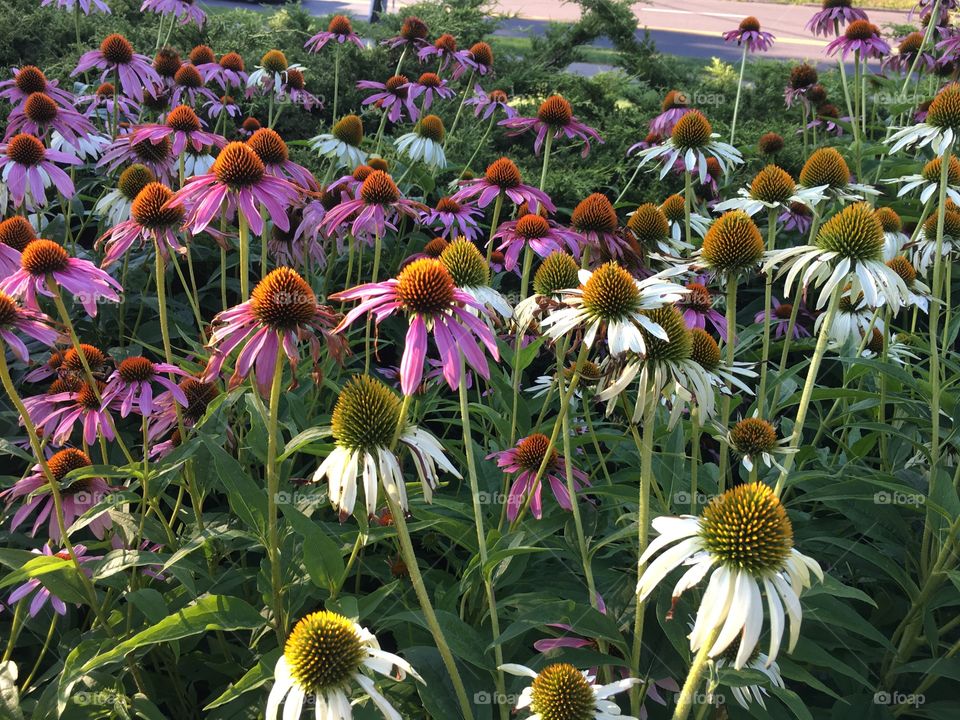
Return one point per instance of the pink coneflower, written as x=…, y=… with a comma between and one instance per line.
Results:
x=58, y=413
x=535, y=231
x=803, y=78
x=554, y=116
x=339, y=30
x=413, y=35
x=834, y=15
x=43, y=595
x=392, y=97
x=115, y=56
x=595, y=219
x=502, y=176
x=30, y=79
x=130, y=386
x=445, y=49
x=377, y=204
x=456, y=219
x=85, y=6
x=152, y=221
x=156, y=156
x=199, y=395
x=27, y=321
x=780, y=320
x=223, y=104
x=44, y=260
x=525, y=460
x=826, y=116
x=652, y=139
x=239, y=179
x=749, y=34
x=273, y=152
x=424, y=290
x=281, y=311
x=429, y=85
x=479, y=58
x=486, y=104
x=39, y=114
x=77, y=498
x=183, y=127
x=28, y=168
x=294, y=91
x=698, y=311
x=189, y=87
x=797, y=218
x=186, y=11
x=228, y=72
x=675, y=105
x=571, y=640
x=907, y=53
x=860, y=36
x=298, y=246
x=103, y=100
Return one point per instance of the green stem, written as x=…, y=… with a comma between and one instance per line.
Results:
x=476, y=152
x=690, y=685
x=494, y=223
x=853, y=117
x=767, y=301
x=736, y=103
x=547, y=147
x=273, y=489
x=808, y=386
x=456, y=118
x=481, y=533
x=732, y=282
x=336, y=82
x=377, y=250
x=244, y=257
x=643, y=530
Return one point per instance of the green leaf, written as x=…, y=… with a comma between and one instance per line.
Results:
x=212, y=612
x=792, y=701
x=321, y=554
x=247, y=498
x=251, y=680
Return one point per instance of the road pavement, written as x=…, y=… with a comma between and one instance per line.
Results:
x=691, y=29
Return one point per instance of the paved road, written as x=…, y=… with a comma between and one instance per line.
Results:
x=692, y=28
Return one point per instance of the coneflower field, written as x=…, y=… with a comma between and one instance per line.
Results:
x=353, y=403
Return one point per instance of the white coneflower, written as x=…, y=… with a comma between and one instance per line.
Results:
x=852, y=319
x=558, y=272
x=363, y=425
x=928, y=180
x=759, y=662
x=691, y=141
x=745, y=538
x=114, y=207
x=848, y=248
x=665, y=371
x=826, y=169
x=425, y=143
x=471, y=273
x=938, y=130
x=561, y=692
x=650, y=227
x=755, y=439
x=272, y=72
x=705, y=352
x=894, y=238
x=324, y=655
x=674, y=208
x=772, y=188
x=610, y=304
x=733, y=245
x=918, y=292
x=898, y=351
x=342, y=143
x=925, y=248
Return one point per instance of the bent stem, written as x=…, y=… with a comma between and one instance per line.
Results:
x=273, y=488
x=481, y=533
x=736, y=102
x=808, y=386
